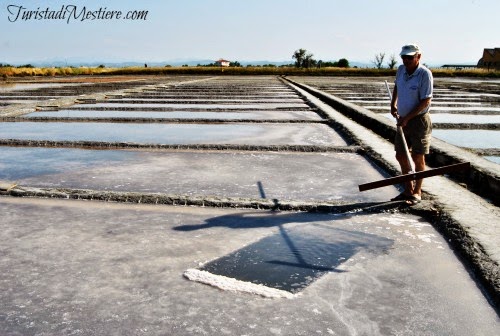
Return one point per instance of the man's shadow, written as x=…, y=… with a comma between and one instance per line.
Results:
x=262, y=219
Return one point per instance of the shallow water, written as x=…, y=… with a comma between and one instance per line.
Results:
x=211, y=95
x=200, y=106
x=295, y=257
x=460, y=118
x=495, y=159
x=256, y=115
x=266, y=134
x=434, y=103
x=469, y=138
x=208, y=100
x=4, y=87
x=27, y=162
x=24, y=101
x=26, y=98
x=444, y=108
x=273, y=175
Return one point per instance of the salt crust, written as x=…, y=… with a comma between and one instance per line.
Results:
x=233, y=285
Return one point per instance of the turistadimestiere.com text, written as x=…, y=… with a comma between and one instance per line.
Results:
x=70, y=13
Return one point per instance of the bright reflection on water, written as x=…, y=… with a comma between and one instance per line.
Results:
x=208, y=100
x=256, y=115
x=277, y=134
x=444, y=108
x=24, y=162
x=200, y=106
x=4, y=87
x=460, y=118
x=495, y=159
x=469, y=138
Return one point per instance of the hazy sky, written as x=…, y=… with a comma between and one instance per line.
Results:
x=448, y=31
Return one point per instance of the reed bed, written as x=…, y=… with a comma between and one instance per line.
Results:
x=6, y=72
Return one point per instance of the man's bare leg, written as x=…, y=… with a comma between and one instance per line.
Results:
x=419, y=160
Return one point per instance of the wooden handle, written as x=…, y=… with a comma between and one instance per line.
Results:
x=414, y=176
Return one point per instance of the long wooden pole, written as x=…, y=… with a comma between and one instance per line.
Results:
x=402, y=137
x=414, y=176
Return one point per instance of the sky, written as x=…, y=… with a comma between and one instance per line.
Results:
x=448, y=31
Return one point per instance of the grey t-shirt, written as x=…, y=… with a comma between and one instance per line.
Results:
x=413, y=88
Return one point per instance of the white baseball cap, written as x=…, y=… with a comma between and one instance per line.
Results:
x=410, y=50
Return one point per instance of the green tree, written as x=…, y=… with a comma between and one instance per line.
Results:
x=304, y=59
x=343, y=63
x=329, y=64
x=299, y=56
x=309, y=61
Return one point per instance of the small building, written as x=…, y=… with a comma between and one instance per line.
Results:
x=490, y=59
x=459, y=66
x=222, y=62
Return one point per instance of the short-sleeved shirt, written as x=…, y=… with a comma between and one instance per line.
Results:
x=413, y=88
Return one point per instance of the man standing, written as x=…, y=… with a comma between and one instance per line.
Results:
x=410, y=104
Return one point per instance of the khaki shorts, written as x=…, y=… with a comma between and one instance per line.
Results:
x=417, y=134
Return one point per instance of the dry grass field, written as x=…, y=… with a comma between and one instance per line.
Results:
x=8, y=72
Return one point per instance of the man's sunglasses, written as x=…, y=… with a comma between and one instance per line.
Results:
x=408, y=57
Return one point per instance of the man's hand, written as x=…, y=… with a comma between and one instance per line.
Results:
x=402, y=121
x=394, y=112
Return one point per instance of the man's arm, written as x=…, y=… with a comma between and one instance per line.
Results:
x=394, y=102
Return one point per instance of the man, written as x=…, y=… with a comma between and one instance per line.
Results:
x=410, y=104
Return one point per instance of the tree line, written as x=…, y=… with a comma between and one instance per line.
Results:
x=304, y=59
x=19, y=66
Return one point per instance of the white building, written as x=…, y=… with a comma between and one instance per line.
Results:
x=222, y=62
